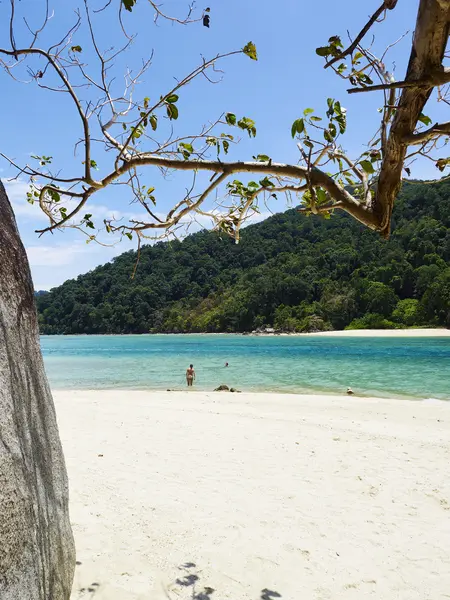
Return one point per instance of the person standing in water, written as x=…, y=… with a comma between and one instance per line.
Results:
x=190, y=375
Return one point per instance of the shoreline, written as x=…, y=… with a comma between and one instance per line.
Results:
x=173, y=495
x=394, y=333
x=271, y=393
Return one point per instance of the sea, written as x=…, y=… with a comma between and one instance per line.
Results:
x=410, y=368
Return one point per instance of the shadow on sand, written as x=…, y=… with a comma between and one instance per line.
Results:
x=190, y=579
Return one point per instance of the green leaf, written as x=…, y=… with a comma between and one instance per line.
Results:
x=356, y=57
x=335, y=41
x=262, y=158
x=328, y=137
x=265, y=183
x=298, y=126
x=230, y=118
x=249, y=125
x=332, y=129
x=349, y=179
x=323, y=51
x=367, y=166
x=146, y=101
x=136, y=132
x=342, y=122
x=250, y=51
x=129, y=235
x=424, y=119
x=321, y=196
x=94, y=165
x=226, y=146
x=154, y=122
x=308, y=111
x=441, y=163
x=314, y=118
x=54, y=195
x=186, y=149
x=172, y=98
x=128, y=4
x=172, y=111
x=76, y=48
x=363, y=78
x=211, y=141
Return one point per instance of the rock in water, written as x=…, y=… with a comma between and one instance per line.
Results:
x=222, y=388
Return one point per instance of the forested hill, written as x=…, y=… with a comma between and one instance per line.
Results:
x=290, y=272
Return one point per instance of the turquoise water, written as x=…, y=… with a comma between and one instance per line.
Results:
x=408, y=367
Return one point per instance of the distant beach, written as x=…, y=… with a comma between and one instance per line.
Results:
x=391, y=333
x=181, y=495
x=368, y=333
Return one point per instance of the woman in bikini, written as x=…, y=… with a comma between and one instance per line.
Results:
x=190, y=375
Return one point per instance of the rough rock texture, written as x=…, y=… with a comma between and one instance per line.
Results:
x=37, y=555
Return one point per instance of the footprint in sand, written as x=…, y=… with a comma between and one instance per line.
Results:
x=373, y=491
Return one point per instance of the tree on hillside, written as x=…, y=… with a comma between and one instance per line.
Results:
x=36, y=547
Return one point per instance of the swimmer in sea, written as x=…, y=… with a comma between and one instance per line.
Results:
x=190, y=375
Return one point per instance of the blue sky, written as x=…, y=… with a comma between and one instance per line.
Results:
x=287, y=78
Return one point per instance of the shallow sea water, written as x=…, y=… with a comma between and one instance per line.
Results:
x=401, y=367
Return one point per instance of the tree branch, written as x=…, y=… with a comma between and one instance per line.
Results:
x=439, y=77
x=436, y=130
x=68, y=86
x=317, y=178
x=429, y=44
x=387, y=5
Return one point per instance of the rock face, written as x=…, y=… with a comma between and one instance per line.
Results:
x=37, y=555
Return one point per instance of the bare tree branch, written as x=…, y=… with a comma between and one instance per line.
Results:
x=435, y=78
x=387, y=5
x=438, y=129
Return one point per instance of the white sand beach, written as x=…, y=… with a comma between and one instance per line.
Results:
x=425, y=332
x=213, y=496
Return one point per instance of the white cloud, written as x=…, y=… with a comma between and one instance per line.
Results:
x=17, y=193
x=52, y=265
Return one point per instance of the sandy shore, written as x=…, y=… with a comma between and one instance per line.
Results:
x=386, y=333
x=257, y=496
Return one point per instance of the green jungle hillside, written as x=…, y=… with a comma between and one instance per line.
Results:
x=290, y=272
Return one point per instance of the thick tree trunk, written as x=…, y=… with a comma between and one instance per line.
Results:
x=37, y=555
x=428, y=48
